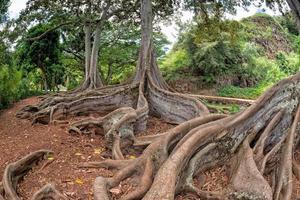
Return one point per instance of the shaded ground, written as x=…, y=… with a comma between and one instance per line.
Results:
x=19, y=137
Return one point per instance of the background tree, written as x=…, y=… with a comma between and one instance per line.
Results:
x=43, y=54
x=4, y=4
x=87, y=14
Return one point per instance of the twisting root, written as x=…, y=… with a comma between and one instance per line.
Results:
x=263, y=162
x=229, y=134
x=284, y=184
x=145, y=182
x=153, y=156
x=116, y=150
x=117, y=125
x=48, y=192
x=17, y=170
x=109, y=164
x=296, y=169
x=246, y=180
x=260, y=144
x=110, y=98
x=188, y=182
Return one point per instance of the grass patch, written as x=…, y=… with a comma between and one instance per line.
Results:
x=245, y=93
x=223, y=108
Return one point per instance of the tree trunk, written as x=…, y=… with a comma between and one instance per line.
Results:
x=44, y=76
x=92, y=77
x=88, y=50
x=147, y=58
x=295, y=7
x=94, y=73
x=109, y=74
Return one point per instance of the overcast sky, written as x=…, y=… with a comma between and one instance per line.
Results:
x=169, y=30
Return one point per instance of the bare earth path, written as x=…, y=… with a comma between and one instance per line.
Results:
x=18, y=138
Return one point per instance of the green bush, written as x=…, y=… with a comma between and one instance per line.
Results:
x=215, y=59
x=13, y=87
x=237, y=92
x=10, y=82
x=173, y=62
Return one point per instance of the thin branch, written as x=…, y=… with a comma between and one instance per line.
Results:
x=48, y=31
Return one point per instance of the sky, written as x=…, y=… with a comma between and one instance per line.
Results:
x=170, y=30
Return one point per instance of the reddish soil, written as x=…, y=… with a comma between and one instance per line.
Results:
x=18, y=138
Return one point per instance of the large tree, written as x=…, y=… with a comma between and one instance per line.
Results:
x=42, y=54
x=256, y=143
x=91, y=15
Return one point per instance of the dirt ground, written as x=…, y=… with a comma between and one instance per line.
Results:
x=18, y=138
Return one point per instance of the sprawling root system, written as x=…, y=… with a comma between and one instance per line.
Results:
x=259, y=142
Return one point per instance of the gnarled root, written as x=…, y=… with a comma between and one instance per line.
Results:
x=253, y=137
x=100, y=100
x=147, y=165
x=284, y=184
x=17, y=170
x=247, y=181
x=117, y=125
x=48, y=192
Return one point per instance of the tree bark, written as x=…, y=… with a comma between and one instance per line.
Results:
x=88, y=50
x=295, y=7
x=94, y=73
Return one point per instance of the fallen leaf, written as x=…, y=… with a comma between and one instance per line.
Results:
x=98, y=151
x=50, y=158
x=79, y=181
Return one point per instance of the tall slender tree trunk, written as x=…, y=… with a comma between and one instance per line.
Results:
x=88, y=49
x=147, y=57
x=146, y=41
x=92, y=77
x=44, y=76
x=94, y=73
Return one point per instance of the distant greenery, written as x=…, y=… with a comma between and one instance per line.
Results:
x=41, y=56
x=4, y=4
x=241, y=59
x=13, y=87
x=56, y=61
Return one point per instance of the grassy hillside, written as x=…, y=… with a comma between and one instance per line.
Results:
x=241, y=59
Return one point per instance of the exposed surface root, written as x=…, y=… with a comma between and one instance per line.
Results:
x=17, y=170
x=48, y=192
x=261, y=140
x=147, y=165
x=284, y=183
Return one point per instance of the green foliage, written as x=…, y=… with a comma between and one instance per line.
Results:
x=5, y=55
x=43, y=54
x=4, y=4
x=12, y=86
x=217, y=50
x=272, y=70
x=9, y=84
x=237, y=92
x=173, y=61
x=283, y=63
x=218, y=58
x=119, y=48
x=73, y=73
x=224, y=109
x=288, y=22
